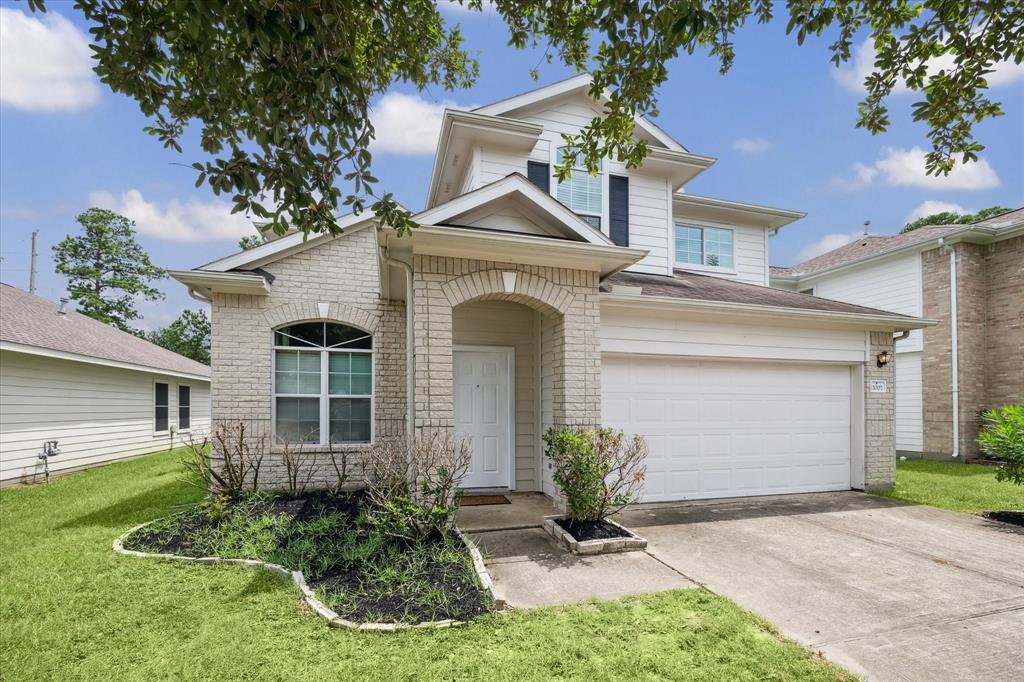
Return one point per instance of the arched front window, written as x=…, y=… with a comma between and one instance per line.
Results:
x=323, y=383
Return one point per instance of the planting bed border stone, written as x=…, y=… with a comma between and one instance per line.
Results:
x=321, y=609
x=631, y=543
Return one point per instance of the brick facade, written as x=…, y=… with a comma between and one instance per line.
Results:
x=879, y=423
x=341, y=273
x=990, y=329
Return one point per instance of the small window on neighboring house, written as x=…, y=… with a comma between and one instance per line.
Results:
x=184, y=408
x=581, y=191
x=323, y=383
x=162, y=407
x=708, y=246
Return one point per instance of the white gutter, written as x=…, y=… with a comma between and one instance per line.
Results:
x=410, y=354
x=954, y=346
x=93, y=360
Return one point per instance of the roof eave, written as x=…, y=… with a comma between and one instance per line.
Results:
x=222, y=282
x=763, y=216
x=42, y=351
x=861, y=320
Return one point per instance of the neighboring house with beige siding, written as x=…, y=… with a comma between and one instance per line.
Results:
x=910, y=274
x=520, y=303
x=101, y=393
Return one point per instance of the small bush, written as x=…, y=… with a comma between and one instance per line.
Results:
x=1002, y=438
x=239, y=451
x=599, y=471
x=415, y=493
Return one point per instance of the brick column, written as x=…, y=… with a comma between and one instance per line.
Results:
x=879, y=416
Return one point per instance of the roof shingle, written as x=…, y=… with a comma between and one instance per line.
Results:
x=689, y=285
x=30, y=320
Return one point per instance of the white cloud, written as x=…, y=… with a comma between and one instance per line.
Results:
x=45, y=63
x=751, y=145
x=932, y=206
x=190, y=221
x=862, y=62
x=827, y=243
x=406, y=124
x=905, y=168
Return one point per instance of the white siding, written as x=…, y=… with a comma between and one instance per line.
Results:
x=657, y=333
x=650, y=197
x=509, y=324
x=98, y=414
x=893, y=284
x=909, y=405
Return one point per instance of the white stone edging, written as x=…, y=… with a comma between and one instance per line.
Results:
x=321, y=609
x=631, y=543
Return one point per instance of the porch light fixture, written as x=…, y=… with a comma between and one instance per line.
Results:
x=883, y=358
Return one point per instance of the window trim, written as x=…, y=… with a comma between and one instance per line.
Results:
x=602, y=175
x=178, y=406
x=168, y=384
x=683, y=265
x=325, y=395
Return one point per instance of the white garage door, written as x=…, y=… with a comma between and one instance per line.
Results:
x=727, y=429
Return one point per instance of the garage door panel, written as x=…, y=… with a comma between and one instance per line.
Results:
x=719, y=429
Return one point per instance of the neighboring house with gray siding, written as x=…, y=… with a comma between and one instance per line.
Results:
x=521, y=302
x=910, y=274
x=101, y=393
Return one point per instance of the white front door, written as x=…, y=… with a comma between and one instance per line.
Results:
x=483, y=412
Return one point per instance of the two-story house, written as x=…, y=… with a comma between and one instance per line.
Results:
x=947, y=374
x=521, y=302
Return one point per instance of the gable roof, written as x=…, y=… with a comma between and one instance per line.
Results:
x=518, y=188
x=578, y=83
x=875, y=246
x=30, y=323
x=693, y=287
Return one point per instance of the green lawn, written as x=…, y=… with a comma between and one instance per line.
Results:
x=970, y=488
x=72, y=609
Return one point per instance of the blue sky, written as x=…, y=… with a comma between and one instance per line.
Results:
x=780, y=124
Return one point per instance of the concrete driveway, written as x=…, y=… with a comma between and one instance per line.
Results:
x=891, y=591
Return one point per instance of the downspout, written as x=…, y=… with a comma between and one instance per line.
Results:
x=954, y=346
x=199, y=297
x=410, y=354
x=903, y=334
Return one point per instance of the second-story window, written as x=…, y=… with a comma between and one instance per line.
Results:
x=708, y=246
x=581, y=191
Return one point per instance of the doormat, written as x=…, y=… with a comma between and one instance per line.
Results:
x=482, y=500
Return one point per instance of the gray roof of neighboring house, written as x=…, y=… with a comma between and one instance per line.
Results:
x=30, y=320
x=689, y=285
x=876, y=245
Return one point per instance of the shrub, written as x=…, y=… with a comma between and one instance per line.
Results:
x=299, y=465
x=239, y=450
x=415, y=491
x=1002, y=438
x=599, y=471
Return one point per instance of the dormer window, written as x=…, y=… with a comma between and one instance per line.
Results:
x=710, y=247
x=581, y=191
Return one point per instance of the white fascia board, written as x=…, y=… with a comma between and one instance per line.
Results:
x=286, y=245
x=860, y=320
x=764, y=216
x=564, y=87
x=223, y=282
x=462, y=242
x=90, y=360
x=507, y=186
x=474, y=123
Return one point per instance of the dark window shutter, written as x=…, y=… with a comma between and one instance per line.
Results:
x=618, y=209
x=539, y=174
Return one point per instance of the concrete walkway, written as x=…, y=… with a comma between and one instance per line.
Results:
x=529, y=569
x=891, y=591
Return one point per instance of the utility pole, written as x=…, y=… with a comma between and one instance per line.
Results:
x=32, y=268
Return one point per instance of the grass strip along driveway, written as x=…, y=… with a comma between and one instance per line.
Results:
x=970, y=488
x=70, y=608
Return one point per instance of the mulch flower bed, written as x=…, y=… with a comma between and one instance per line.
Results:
x=354, y=569
x=1014, y=517
x=592, y=530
